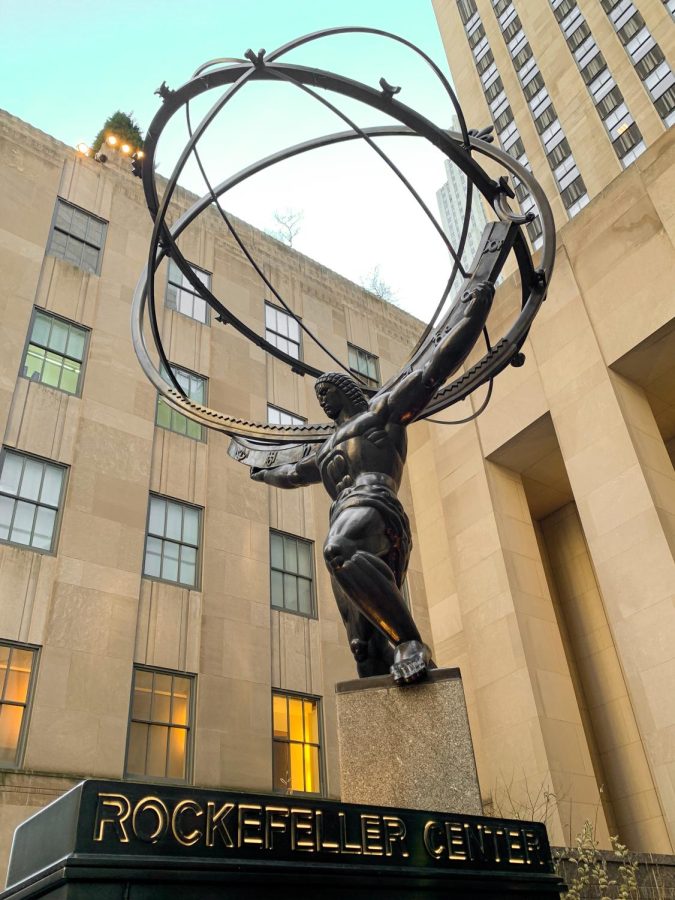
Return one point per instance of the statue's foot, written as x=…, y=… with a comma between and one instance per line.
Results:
x=412, y=660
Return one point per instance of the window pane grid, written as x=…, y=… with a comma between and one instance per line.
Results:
x=159, y=725
x=16, y=669
x=278, y=416
x=30, y=493
x=77, y=237
x=645, y=54
x=282, y=331
x=542, y=109
x=55, y=352
x=296, y=744
x=364, y=364
x=291, y=574
x=172, y=542
x=173, y=420
x=492, y=83
x=183, y=298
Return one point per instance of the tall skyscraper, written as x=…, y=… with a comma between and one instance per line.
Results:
x=576, y=89
x=451, y=198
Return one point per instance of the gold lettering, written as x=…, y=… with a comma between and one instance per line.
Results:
x=532, y=847
x=454, y=834
x=321, y=844
x=187, y=840
x=215, y=823
x=475, y=842
x=158, y=808
x=302, y=820
x=249, y=821
x=122, y=807
x=344, y=846
x=394, y=832
x=371, y=835
x=273, y=823
x=433, y=839
x=515, y=845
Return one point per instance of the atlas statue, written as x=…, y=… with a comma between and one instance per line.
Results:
x=361, y=465
x=359, y=456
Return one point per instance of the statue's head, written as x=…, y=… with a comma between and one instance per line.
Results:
x=337, y=392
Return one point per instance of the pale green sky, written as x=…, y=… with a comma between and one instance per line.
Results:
x=66, y=65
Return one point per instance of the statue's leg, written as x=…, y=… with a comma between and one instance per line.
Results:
x=372, y=651
x=355, y=544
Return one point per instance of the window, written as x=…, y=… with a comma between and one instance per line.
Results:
x=17, y=664
x=181, y=296
x=296, y=744
x=30, y=497
x=291, y=574
x=365, y=365
x=55, y=352
x=77, y=237
x=277, y=416
x=172, y=542
x=160, y=725
x=282, y=331
x=169, y=418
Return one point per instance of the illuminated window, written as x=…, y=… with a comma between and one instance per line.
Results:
x=77, y=237
x=296, y=745
x=291, y=574
x=55, y=352
x=278, y=416
x=160, y=727
x=169, y=418
x=365, y=365
x=30, y=497
x=181, y=296
x=17, y=664
x=172, y=542
x=282, y=331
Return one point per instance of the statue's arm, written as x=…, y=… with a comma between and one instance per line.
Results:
x=412, y=393
x=290, y=475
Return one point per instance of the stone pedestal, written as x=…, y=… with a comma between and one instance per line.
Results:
x=407, y=746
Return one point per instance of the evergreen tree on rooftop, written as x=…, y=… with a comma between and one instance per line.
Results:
x=124, y=127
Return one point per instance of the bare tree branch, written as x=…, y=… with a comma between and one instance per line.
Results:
x=374, y=283
x=288, y=221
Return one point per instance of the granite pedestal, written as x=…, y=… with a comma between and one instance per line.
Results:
x=407, y=746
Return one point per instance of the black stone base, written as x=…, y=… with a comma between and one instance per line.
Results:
x=119, y=841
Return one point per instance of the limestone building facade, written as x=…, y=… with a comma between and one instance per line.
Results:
x=162, y=616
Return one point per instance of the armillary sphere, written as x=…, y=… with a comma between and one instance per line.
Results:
x=228, y=77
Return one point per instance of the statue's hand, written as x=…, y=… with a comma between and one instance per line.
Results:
x=257, y=474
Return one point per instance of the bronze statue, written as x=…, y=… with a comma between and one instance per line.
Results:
x=360, y=458
x=361, y=465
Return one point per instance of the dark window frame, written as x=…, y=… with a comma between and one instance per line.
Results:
x=321, y=733
x=182, y=369
x=59, y=508
x=370, y=382
x=190, y=728
x=197, y=586
x=19, y=754
x=188, y=289
x=314, y=613
x=53, y=227
x=85, y=351
x=279, y=309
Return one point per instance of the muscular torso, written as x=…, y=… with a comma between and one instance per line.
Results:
x=362, y=448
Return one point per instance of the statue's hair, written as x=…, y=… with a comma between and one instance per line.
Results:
x=347, y=386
